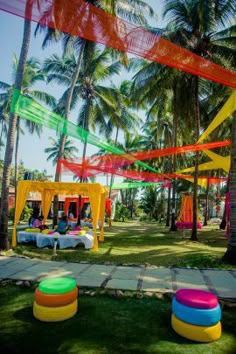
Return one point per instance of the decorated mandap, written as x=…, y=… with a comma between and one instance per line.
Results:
x=94, y=191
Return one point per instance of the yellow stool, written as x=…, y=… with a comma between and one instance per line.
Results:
x=54, y=314
x=196, y=333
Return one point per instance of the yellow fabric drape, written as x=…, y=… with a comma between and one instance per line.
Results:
x=218, y=162
x=101, y=216
x=22, y=193
x=228, y=108
x=47, y=195
x=95, y=202
x=47, y=189
x=202, y=182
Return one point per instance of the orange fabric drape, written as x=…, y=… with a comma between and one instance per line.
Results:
x=80, y=18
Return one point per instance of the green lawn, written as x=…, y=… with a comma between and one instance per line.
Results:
x=145, y=242
x=102, y=325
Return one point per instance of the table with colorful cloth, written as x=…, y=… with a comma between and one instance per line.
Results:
x=64, y=241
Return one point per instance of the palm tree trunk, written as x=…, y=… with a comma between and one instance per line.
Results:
x=63, y=136
x=112, y=176
x=207, y=205
x=1, y=134
x=195, y=184
x=223, y=221
x=175, y=126
x=85, y=126
x=16, y=154
x=4, y=244
x=168, y=208
x=230, y=255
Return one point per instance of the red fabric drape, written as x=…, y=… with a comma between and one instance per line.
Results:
x=82, y=19
x=108, y=207
x=69, y=200
x=78, y=169
x=111, y=161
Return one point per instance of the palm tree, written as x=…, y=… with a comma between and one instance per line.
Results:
x=11, y=131
x=32, y=74
x=123, y=118
x=98, y=101
x=125, y=9
x=230, y=255
x=196, y=27
x=69, y=150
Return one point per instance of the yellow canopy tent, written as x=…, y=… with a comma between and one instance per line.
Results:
x=95, y=191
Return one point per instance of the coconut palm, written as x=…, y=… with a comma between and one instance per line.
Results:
x=69, y=151
x=194, y=25
x=32, y=74
x=130, y=9
x=11, y=129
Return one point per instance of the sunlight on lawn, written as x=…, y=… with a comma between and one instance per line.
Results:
x=140, y=243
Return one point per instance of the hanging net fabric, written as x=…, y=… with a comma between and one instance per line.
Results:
x=123, y=160
x=86, y=170
x=83, y=19
x=29, y=109
x=128, y=185
x=185, y=218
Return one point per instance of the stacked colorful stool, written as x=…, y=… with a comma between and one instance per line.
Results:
x=196, y=315
x=55, y=299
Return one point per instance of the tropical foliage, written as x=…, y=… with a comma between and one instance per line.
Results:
x=174, y=105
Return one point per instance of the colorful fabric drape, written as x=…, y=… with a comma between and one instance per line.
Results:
x=127, y=185
x=218, y=162
x=123, y=160
x=74, y=200
x=78, y=169
x=29, y=109
x=47, y=195
x=228, y=108
x=81, y=18
x=23, y=190
x=185, y=217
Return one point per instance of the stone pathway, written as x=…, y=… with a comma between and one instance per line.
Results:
x=138, y=278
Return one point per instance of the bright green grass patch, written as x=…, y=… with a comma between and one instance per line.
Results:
x=143, y=242
x=102, y=325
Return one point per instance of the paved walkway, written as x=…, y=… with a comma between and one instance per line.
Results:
x=221, y=282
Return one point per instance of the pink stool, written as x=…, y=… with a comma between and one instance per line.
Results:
x=197, y=298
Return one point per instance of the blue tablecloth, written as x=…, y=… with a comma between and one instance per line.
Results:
x=64, y=241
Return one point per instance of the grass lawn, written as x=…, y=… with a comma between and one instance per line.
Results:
x=146, y=242
x=102, y=325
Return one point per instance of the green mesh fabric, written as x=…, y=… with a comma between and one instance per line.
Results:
x=29, y=109
x=126, y=185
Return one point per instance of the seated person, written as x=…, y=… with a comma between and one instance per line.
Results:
x=71, y=215
x=37, y=222
x=34, y=215
x=62, y=226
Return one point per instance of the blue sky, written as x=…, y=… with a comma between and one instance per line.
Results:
x=31, y=149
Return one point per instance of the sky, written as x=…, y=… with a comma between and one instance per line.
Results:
x=31, y=148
